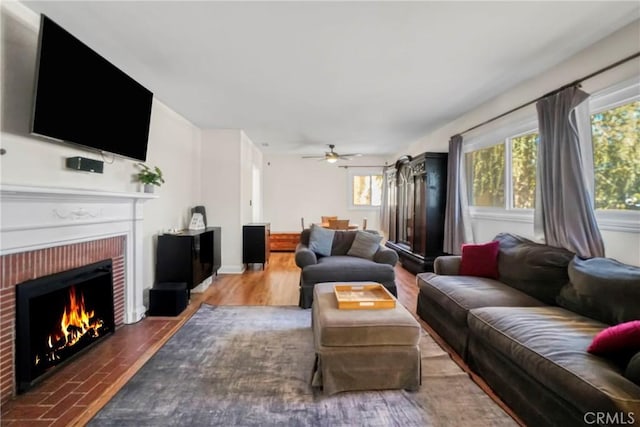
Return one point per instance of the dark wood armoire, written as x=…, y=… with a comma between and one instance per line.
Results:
x=416, y=199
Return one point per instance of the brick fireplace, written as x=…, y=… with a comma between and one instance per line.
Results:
x=45, y=231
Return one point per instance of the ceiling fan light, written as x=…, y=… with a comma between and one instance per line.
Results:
x=332, y=159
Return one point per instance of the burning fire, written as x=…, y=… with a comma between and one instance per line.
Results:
x=76, y=322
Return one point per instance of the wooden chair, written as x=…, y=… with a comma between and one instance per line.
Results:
x=339, y=224
x=326, y=219
x=302, y=223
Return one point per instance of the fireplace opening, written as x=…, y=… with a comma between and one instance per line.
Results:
x=59, y=316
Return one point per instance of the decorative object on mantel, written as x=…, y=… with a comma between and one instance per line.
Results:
x=149, y=177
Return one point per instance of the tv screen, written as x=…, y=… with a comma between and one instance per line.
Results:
x=84, y=99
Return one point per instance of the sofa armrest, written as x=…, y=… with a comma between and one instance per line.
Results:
x=447, y=265
x=386, y=256
x=305, y=256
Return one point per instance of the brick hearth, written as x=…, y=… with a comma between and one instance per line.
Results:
x=20, y=267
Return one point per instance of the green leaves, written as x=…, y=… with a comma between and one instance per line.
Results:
x=148, y=175
x=616, y=149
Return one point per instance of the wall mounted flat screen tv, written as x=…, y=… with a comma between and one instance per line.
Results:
x=82, y=98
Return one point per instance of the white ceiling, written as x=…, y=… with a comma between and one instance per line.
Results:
x=368, y=77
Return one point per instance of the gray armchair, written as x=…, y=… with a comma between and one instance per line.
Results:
x=340, y=267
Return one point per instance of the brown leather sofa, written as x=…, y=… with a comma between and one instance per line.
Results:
x=526, y=334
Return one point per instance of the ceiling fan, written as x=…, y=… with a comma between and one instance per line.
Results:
x=332, y=157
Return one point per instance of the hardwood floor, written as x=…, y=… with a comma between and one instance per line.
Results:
x=78, y=390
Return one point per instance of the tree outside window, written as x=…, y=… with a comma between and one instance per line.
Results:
x=485, y=174
x=367, y=190
x=616, y=151
x=524, y=150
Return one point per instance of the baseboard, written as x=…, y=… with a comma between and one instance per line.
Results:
x=203, y=286
x=231, y=269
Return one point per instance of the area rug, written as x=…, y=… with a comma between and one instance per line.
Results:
x=251, y=366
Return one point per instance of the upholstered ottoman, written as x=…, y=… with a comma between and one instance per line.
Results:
x=363, y=349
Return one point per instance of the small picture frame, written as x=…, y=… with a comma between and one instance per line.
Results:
x=197, y=222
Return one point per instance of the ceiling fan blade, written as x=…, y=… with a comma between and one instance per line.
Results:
x=351, y=155
x=313, y=157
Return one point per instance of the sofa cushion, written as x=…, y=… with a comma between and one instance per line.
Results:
x=365, y=245
x=550, y=345
x=535, y=269
x=621, y=338
x=632, y=372
x=320, y=240
x=603, y=289
x=344, y=268
x=458, y=294
x=480, y=260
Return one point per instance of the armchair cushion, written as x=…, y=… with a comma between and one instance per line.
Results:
x=344, y=268
x=365, y=245
x=320, y=240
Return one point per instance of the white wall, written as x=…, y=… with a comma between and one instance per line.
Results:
x=297, y=188
x=619, y=45
x=251, y=159
x=623, y=245
x=221, y=189
x=228, y=157
x=174, y=143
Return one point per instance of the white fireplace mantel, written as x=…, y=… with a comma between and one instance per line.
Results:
x=41, y=217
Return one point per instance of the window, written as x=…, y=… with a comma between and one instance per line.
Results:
x=524, y=150
x=503, y=175
x=485, y=176
x=616, y=151
x=367, y=190
x=500, y=164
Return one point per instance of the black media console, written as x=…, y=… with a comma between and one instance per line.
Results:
x=190, y=256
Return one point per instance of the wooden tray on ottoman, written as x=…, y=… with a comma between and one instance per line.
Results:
x=364, y=296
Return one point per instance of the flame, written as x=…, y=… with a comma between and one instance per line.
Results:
x=75, y=323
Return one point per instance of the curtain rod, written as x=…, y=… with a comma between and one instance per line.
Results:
x=360, y=166
x=553, y=92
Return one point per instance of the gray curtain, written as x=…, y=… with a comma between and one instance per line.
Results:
x=454, y=220
x=564, y=212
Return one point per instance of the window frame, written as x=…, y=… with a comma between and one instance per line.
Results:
x=502, y=135
x=611, y=97
x=362, y=172
x=608, y=219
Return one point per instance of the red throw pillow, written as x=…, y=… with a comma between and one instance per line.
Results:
x=480, y=260
x=618, y=338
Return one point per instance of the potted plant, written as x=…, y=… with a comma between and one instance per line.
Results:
x=149, y=177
